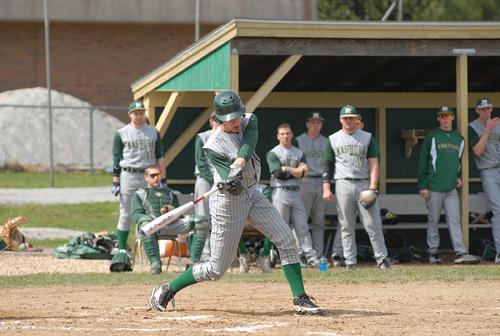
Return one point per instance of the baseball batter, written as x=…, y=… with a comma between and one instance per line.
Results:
x=135, y=147
x=151, y=202
x=439, y=173
x=313, y=144
x=203, y=173
x=484, y=141
x=351, y=158
x=287, y=168
x=231, y=149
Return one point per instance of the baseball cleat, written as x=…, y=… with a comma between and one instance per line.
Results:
x=465, y=259
x=155, y=268
x=160, y=297
x=385, y=265
x=264, y=264
x=435, y=259
x=305, y=305
x=351, y=268
x=497, y=259
x=337, y=261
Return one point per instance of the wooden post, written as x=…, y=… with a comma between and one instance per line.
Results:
x=168, y=112
x=382, y=139
x=462, y=126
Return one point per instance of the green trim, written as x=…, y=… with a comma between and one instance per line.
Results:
x=211, y=73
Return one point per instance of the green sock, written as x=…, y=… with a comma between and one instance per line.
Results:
x=241, y=247
x=184, y=280
x=266, y=249
x=293, y=274
x=122, y=239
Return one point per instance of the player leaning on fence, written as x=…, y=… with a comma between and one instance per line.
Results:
x=136, y=146
x=439, y=172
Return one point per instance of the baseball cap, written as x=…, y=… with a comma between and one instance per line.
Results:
x=135, y=105
x=349, y=111
x=445, y=109
x=484, y=102
x=315, y=115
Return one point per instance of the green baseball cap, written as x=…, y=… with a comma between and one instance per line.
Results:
x=315, y=115
x=445, y=109
x=136, y=105
x=349, y=111
x=484, y=102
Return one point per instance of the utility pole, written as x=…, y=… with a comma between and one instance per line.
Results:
x=49, y=97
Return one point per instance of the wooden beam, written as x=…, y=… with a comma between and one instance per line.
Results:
x=462, y=126
x=271, y=82
x=187, y=135
x=235, y=72
x=361, y=47
x=381, y=135
x=168, y=112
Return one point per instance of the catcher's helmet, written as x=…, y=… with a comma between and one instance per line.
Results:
x=228, y=106
x=136, y=105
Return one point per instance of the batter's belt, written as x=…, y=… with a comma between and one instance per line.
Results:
x=289, y=188
x=133, y=170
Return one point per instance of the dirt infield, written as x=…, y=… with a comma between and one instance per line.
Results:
x=226, y=308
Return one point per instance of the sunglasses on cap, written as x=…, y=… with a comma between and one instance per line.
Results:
x=446, y=116
x=153, y=175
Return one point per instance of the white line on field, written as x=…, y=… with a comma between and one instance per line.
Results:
x=183, y=318
x=18, y=325
x=249, y=328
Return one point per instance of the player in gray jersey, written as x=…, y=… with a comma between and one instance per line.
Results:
x=351, y=159
x=313, y=144
x=231, y=149
x=204, y=176
x=287, y=168
x=484, y=141
x=136, y=146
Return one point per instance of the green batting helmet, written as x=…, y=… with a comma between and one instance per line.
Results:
x=136, y=105
x=228, y=106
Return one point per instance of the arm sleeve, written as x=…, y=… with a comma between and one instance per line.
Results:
x=117, y=154
x=422, y=165
x=373, y=149
x=249, y=139
x=473, y=137
x=328, y=162
x=220, y=162
x=200, y=160
x=159, y=152
x=275, y=167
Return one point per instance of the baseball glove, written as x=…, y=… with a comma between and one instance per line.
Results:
x=11, y=235
x=367, y=198
x=166, y=208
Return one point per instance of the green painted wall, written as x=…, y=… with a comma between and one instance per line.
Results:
x=211, y=73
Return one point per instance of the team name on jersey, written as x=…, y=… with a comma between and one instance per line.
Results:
x=349, y=149
x=146, y=143
x=447, y=146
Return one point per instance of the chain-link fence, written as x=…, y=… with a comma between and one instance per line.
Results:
x=82, y=136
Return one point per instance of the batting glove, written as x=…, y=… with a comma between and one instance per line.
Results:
x=115, y=188
x=163, y=183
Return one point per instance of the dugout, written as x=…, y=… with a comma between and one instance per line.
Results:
x=396, y=73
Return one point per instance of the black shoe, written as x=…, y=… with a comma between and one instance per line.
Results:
x=160, y=297
x=385, y=265
x=434, y=259
x=304, y=305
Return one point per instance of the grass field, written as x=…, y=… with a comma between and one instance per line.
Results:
x=402, y=273
x=61, y=180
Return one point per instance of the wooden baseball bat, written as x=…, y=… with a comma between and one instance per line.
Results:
x=172, y=216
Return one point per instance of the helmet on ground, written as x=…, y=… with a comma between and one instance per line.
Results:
x=228, y=106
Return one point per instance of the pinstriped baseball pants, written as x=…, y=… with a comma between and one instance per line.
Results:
x=451, y=204
x=229, y=216
x=311, y=191
x=129, y=183
x=347, y=194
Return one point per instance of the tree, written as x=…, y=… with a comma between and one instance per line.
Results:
x=413, y=10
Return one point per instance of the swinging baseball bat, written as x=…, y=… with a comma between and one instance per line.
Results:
x=171, y=216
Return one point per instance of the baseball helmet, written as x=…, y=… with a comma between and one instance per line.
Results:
x=136, y=105
x=388, y=217
x=228, y=106
x=349, y=111
x=445, y=110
